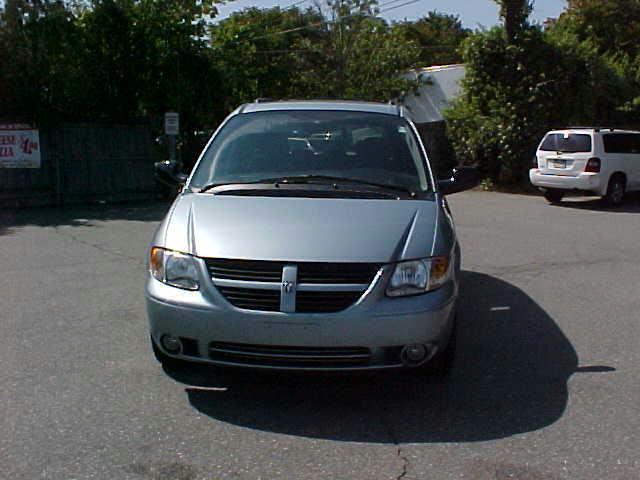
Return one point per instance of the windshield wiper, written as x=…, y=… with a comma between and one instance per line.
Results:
x=334, y=180
x=309, y=179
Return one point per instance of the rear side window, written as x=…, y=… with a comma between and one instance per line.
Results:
x=568, y=143
x=621, y=143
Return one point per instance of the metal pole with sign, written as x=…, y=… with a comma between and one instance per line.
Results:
x=171, y=129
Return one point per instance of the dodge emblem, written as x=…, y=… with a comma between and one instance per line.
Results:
x=287, y=286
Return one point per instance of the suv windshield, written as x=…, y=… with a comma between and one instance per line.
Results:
x=568, y=143
x=367, y=147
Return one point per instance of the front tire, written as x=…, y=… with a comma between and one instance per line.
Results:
x=615, y=191
x=553, y=196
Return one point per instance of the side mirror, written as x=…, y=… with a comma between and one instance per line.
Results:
x=168, y=172
x=462, y=178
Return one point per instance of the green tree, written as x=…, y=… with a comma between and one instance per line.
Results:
x=597, y=25
x=515, y=15
x=110, y=60
x=174, y=58
x=438, y=35
x=353, y=54
x=107, y=60
x=345, y=52
x=40, y=74
x=145, y=57
x=254, y=48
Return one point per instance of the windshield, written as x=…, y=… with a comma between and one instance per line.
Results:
x=367, y=147
x=566, y=142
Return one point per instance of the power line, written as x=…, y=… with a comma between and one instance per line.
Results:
x=282, y=32
x=399, y=6
x=442, y=48
x=317, y=24
x=384, y=4
x=266, y=26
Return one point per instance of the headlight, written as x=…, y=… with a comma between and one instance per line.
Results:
x=173, y=268
x=418, y=276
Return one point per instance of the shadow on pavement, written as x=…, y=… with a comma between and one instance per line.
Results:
x=80, y=215
x=631, y=204
x=510, y=377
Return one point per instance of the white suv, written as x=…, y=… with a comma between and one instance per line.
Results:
x=601, y=161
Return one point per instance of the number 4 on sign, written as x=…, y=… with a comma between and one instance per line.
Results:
x=27, y=146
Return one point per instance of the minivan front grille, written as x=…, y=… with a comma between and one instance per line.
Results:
x=252, y=298
x=255, y=284
x=289, y=356
x=308, y=272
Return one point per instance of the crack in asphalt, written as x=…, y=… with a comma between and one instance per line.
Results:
x=62, y=265
x=405, y=463
x=541, y=267
x=97, y=246
x=399, y=452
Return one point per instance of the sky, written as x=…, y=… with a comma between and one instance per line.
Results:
x=473, y=13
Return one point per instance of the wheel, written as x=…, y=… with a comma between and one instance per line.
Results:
x=440, y=366
x=553, y=196
x=615, y=191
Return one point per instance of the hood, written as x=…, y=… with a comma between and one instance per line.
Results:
x=301, y=229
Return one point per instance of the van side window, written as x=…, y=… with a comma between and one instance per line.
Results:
x=621, y=143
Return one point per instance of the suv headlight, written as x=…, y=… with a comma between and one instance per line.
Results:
x=174, y=268
x=418, y=276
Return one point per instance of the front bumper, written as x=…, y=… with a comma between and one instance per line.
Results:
x=585, y=181
x=204, y=320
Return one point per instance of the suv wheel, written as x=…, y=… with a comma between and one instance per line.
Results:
x=553, y=196
x=615, y=191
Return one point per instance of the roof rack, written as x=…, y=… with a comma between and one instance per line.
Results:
x=263, y=100
x=597, y=129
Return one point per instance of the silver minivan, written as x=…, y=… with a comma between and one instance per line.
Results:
x=309, y=236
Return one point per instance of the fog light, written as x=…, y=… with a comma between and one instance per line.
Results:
x=171, y=344
x=413, y=355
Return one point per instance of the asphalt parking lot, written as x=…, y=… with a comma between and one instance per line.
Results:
x=546, y=383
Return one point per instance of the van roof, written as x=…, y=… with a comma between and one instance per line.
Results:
x=343, y=105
